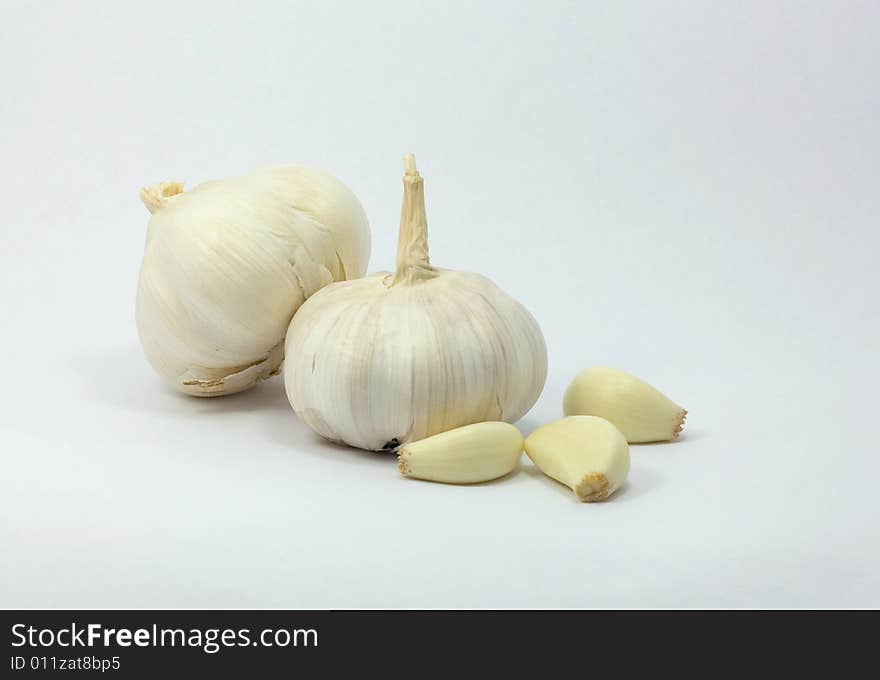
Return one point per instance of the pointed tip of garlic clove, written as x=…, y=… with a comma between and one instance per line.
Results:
x=157, y=196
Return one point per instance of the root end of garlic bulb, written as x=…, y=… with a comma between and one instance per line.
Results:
x=157, y=196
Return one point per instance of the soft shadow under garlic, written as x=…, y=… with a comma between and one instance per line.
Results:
x=638, y=484
x=490, y=482
x=295, y=436
x=121, y=378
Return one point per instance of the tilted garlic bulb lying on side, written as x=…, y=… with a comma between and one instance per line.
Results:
x=227, y=263
x=393, y=358
x=638, y=410
x=466, y=455
x=587, y=454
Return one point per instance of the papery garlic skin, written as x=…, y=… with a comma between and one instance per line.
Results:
x=375, y=367
x=642, y=413
x=227, y=264
x=587, y=454
x=393, y=358
x=466, y=455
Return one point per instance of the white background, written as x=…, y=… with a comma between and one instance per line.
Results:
x=688, y=191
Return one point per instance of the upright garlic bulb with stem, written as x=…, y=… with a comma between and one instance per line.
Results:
x=227, y=263
x=393, y=358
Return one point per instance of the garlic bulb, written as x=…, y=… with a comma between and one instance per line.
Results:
x=393, y=358
x=228, y=263
x=587, y=454
x=641, y=412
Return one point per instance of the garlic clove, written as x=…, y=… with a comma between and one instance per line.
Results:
x=587, y=454
x=642, y=413
x=465, y=455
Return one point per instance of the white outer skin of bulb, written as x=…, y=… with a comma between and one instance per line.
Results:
x=227, y=264
x=375, y=365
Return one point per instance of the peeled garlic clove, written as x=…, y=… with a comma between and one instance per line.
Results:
x=587, y=454
x=227, y=264
x=640, y=412
x=393, y=358
x=465, y=455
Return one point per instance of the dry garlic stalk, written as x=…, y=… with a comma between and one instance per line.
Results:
x=638, y=410
x=465, y=455
x=587, y=454
x=228, y=263
x=394, y=358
